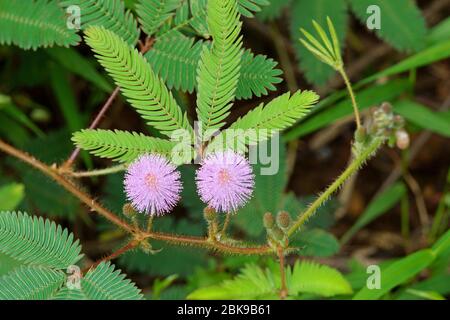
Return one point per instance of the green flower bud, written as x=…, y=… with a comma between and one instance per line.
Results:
x=128, y=210
x=268, y=220
x=283, y=220
x=386, y=107
x=277, y=233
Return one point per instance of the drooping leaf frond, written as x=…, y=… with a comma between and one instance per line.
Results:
x=31, y=283
x=105, y=283
x=34, y=24
x=219, y=68
x=175, y=58
x=310, y=277
x=262, y=122
x=144, y=90
x=258, y=76
x=110, y=14
x=36, y=241
x=122, y=146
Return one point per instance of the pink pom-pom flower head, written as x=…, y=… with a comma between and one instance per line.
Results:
x=225, y=181
x=152, y=184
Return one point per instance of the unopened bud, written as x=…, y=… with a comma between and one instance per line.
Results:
x=399, y=121
x=277, y=233
x=210, y=214
x=402, y=139
x=283, y=220
x=268, y=220
x=128, y=210
x=387, y=107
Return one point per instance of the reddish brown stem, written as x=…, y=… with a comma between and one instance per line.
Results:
x=129, y=246
x=283, y=290
x=138, y=234
x=93, y=125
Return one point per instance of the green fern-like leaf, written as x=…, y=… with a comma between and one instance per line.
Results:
x=175, y=58
x=110, y=14
x=122, y=146
x=255, y=283
x=198, y=21
x=310, y=277
x=280, y=113
x=219, y=68
x=251, y=283
x=264, y=121
x=70, y=294
x=154, y=13
x=258, y=76
x=402, y=24
x=105, y=283
x=164, y=15
x=248, y=7
x=303, y=12
x=34, y=24
x=144, y=90
x=31, y=283
x=36, y=241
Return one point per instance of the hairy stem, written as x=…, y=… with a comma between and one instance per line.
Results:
x=357, y=162
x=55, y=174
x=226, y=223
x=99, y=172
x=73, y=156
x=129, y=246
x=352, y=96
x=283, y=289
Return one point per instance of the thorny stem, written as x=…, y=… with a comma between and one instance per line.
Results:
x=283, y=290
x=351, y=169
x=53, y=173
x=150, y=223
x=67, y=184
x=99, y=172
x=226, y=223
x=342, y=72
x=129, y=246
x=73, y=156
